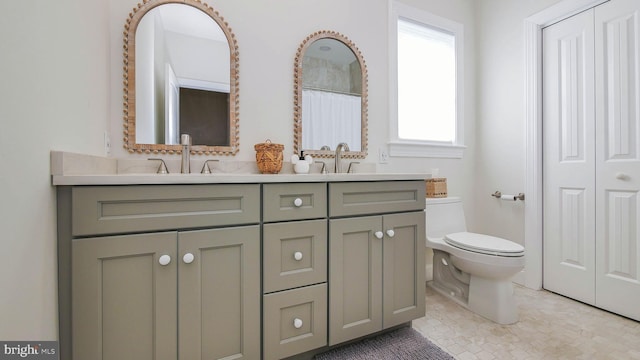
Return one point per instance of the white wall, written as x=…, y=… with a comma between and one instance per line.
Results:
x=500, y=159
x=500, y=112
x=54, y=94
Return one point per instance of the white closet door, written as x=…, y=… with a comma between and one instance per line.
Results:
x=618, y=157
x=569, y=158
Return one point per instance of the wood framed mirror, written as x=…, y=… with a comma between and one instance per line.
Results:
x=180, y=76
x=330, y=96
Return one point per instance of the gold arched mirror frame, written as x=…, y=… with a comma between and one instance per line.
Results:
x=298, y=87
x=129, y=82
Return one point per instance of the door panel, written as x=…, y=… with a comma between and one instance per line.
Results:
x=617, y=157
x=403, y=264
x=572, y=209
x=355, y=278
x=124, y=301
x=568, y=157
x=219, y=307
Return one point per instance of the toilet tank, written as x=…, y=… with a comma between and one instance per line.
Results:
x=444, y=216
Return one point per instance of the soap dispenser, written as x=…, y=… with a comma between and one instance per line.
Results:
x=301, y=164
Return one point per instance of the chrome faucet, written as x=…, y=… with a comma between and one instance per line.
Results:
x=185, y=141
x=339, y=149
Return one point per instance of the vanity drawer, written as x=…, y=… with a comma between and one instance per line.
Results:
x=126, y=209
x=297, y=201
x=295, y=254
x=360, y=198
x=295, y=321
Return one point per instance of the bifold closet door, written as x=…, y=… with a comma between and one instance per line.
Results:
x=617, y=46
x=591, y=155
x=569, y=158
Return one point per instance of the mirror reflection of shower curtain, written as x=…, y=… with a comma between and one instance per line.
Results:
x=330, y=118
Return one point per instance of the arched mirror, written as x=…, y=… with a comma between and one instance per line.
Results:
x=180, y=77
x=330, y=96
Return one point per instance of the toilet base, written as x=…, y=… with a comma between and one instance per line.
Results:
x=493, y=299
x=490, y=299
x=447, y=293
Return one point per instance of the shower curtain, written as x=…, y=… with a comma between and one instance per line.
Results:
x=330, y=118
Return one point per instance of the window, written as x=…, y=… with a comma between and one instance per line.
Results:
x=427, y=83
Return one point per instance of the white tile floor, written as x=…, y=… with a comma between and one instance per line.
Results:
x=550, y=327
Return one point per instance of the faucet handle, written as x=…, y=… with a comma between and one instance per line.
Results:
x=349, y=170
x=205, y=167
x=162, y=169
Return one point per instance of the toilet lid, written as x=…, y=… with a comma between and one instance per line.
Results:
x=484, y=244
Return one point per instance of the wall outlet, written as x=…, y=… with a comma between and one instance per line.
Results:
x=383, y=156
x=107, y=143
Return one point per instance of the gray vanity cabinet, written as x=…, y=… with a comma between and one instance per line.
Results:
x=242, y=271
x=376, y=262
x=187, y=293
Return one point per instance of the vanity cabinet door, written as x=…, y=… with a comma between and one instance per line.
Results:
x=126, y=290
x=355, y=278
x=124, y=296
x=376, y=273
x=219, y=293
x=403, y=264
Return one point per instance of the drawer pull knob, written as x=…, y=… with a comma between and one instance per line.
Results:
x=297, y=202
x=164, y=260
x=390, y=233
x=188, y=258
x=379, y=234
x=297, y=323
x=297, y=255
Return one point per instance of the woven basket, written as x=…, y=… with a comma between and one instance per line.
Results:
x=436, y=188
x=269, y=157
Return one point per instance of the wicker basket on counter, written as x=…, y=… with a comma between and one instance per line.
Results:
x=269, y=157
x=436, y=187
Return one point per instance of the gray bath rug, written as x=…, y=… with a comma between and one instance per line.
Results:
x=402, y=344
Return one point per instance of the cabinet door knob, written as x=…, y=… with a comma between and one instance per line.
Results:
x=297, y=255
x=188, y=258
x=297, y=202
x=164, y=260
x=390, y=233
x=378, y=234
x=297, y=323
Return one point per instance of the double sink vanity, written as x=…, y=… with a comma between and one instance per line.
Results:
x=242, y=266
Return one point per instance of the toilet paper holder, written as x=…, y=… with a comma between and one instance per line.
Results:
x=500, y=195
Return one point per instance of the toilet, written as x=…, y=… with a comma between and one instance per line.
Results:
x=471, y=269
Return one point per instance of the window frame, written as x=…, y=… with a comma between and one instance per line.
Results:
x=423, y=148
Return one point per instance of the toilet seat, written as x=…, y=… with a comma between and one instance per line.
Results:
x=484, y=244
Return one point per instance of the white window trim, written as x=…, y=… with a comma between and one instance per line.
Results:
x=412, y=148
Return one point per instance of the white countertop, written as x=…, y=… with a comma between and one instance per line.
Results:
x=79, y=169
x=141, y=179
